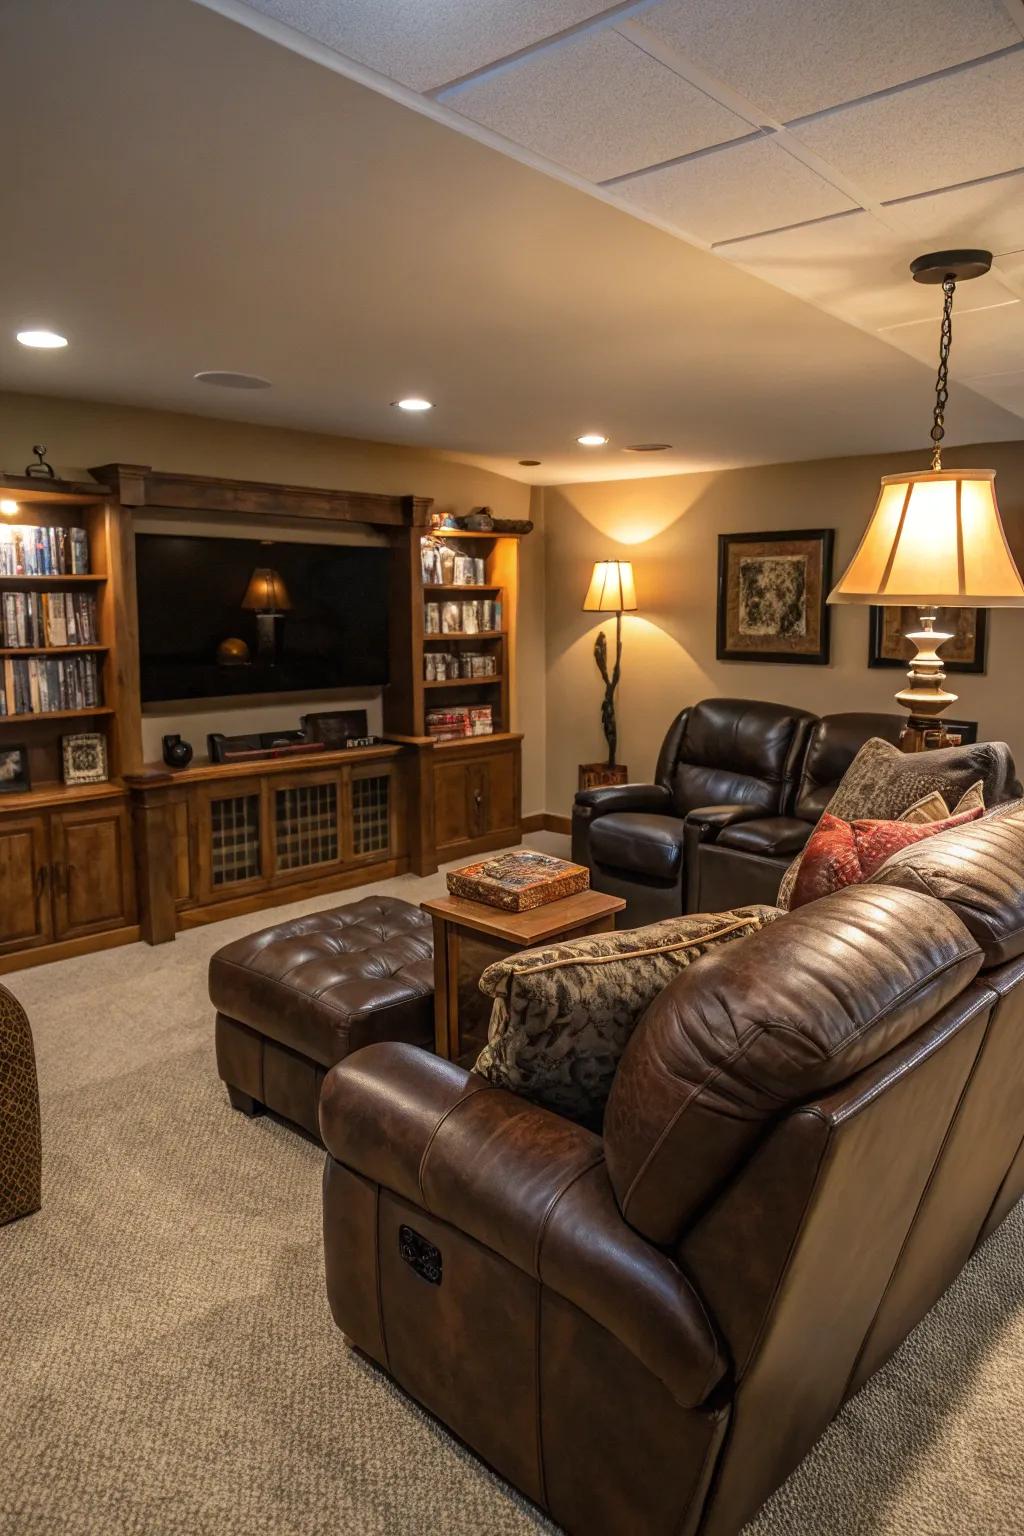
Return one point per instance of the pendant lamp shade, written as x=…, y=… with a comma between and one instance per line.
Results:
x=612, y=588
x=935, y=538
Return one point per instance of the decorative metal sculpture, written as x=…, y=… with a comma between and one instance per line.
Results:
x=40, y=470
x=608, y=724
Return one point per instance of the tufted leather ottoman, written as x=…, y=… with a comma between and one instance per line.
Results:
x=294, y=999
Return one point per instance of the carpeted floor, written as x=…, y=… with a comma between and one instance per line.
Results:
x=168, y=1365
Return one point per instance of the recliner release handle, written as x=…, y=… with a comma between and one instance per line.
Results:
x=420, y=1255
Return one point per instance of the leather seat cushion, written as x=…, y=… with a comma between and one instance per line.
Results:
x=772, y=836
x=327, y=983
x=642, y=844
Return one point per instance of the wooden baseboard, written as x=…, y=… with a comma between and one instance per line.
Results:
x=67, y=949
x=547, y=821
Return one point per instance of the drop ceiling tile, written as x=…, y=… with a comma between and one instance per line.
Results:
x=989, y=215
x=426, y=43
x=956, y=129
x=792, y=57
x=985, y=341
x=735, y=192
x=598, y=106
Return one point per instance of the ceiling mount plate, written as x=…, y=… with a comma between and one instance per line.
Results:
x=938, y=265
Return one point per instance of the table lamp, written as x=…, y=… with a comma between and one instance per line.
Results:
x=612, y=590
x=935, y=537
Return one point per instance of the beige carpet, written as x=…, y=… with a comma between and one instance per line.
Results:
x=168, y=1365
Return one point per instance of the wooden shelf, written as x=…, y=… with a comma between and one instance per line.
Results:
x=471, y=533
x=462, y=682
x=474, y=741
x=467, y=634
x=33, y=490
x=56, y=714
x=475, y=586
x=50, y=650
x=202, y=772
x=60, y=794
x=50, y=581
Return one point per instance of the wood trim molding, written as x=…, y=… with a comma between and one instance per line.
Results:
x=139, y=486
x=546, y=821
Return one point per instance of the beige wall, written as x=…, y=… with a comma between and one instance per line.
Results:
x=669, y=528
x=82, y=433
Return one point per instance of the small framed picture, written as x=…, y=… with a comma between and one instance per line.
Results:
x=959, y=733
x=964, y=652
x=85, y=758
x=771, y=596
x=15, y=778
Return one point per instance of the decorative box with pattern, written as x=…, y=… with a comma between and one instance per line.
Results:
x=518, y=882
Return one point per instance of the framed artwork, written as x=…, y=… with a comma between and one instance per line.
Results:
x=964, y=653
x=15, y=778
x=84, y=758
x=771, y=596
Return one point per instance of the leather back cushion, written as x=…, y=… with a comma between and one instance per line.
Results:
x=978, y=871
x=759, y=1027
x=834, y=742
x=734, y=751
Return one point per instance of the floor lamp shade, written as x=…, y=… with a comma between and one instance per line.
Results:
x=612, y=588
x=934, y=538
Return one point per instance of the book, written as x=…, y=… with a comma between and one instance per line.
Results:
x=518, y=882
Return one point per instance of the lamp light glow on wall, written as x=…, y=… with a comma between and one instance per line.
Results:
x=935, y=537
x=612, y=590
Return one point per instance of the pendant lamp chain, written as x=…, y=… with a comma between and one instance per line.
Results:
x=942, y=378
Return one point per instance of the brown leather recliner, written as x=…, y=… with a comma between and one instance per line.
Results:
x=809, y=1133
x=735, y=759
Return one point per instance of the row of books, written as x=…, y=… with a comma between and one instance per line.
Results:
x=466, y=720
x=47, y=618
x=51, y=551
x=38, y=685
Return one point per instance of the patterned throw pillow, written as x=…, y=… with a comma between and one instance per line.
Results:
x=930, y=808
x=882, y=782
x=843, y=853
x=563, y=1015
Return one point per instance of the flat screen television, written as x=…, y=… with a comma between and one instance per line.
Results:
x=330, y=631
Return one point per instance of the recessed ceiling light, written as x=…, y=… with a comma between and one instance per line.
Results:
x=228, y=380
x=46, y=339
x=414, y=403
x=529, y=463
x=8, y=507
x=647, y=447
x=592, y=440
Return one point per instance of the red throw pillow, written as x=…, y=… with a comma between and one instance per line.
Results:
x=842, y=853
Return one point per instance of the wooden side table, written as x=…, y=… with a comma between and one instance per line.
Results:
x=457, y=921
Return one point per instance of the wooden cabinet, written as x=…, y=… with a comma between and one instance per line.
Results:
x=92, y=881
x=476, y=796
x=26, y=915
x=66, y=873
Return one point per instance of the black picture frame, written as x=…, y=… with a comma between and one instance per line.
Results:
x=818, y=653
x=876, y=641
x=14, y=755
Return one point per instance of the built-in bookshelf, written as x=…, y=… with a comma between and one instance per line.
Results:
x=58, y=640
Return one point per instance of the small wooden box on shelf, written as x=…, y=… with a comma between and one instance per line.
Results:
x=66, y=871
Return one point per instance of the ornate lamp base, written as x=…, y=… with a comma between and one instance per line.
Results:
x=925, y=697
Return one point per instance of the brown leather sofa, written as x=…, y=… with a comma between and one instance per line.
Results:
x=745, y=776
x=810, y=1132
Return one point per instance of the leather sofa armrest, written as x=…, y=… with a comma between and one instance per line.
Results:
x=703, y=826
x=652, y=798
x=529, y=1185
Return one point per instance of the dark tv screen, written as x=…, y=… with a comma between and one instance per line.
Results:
x=190, y=595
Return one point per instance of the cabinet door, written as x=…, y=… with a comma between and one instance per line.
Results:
x=91, y=873
x=25, y=914
x=233, y=842
x=372, y=814
x=495, y=793
x=306, y=822
x=453, y=804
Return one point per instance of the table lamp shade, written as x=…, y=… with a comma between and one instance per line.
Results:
x=934, y=538
x=266, y=592
x=612, y=588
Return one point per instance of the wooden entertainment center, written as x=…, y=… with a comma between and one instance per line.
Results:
x=153, y=850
